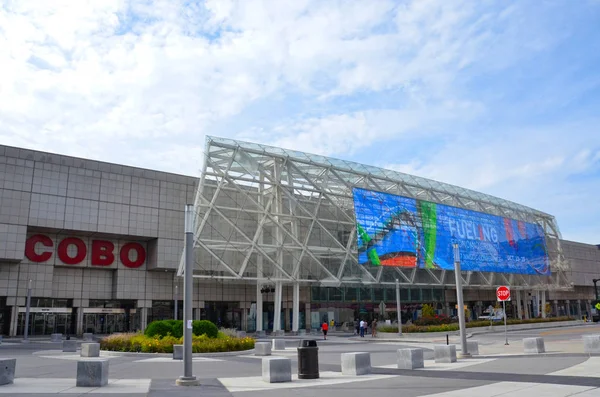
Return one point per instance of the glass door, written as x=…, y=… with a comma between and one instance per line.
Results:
x=90, y=323
x=49, y=323
x=45, y=323
x=114, y=323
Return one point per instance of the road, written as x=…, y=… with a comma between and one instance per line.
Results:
x=43, y=370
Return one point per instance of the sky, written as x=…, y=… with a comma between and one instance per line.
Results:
x=502, y=97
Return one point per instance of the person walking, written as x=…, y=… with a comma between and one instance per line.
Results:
x=356, y=327
x=325, y=328
x=362, y=329
x=374, y=328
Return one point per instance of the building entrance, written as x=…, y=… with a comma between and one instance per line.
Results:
x=46, y=321
x=4, y=317
x=107, y=321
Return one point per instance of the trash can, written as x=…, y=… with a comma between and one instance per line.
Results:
x=308, y=360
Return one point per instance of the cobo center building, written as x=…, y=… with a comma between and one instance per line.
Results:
x=283, y=241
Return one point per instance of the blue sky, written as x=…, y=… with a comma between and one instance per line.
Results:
x=498, y=96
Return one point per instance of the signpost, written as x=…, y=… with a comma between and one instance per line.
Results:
x=459, y=298
x=503, y=295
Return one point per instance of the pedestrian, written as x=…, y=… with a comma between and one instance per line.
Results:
x=362, y=329
x=374, y=328
x=325, y=328
x=356, y=327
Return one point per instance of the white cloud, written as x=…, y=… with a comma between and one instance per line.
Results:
x=548, y=169
x=141, y=82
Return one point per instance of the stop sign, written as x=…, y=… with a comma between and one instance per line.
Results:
x=503, y=293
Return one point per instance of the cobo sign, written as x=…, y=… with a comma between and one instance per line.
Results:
x=73, y=251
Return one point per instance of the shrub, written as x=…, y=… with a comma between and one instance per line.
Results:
x=435, y=320
x=200, y=344
x=427, y=311
x=205, y=327
x=388, y=328
x=231, y=332
x=177, y=328
x=158, y=328
x=174, y=328
x=473, y=324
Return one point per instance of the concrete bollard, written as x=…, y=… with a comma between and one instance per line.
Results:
x=278, y=344
x=262, y=349
x=444, y=354
x=92, y=373
x=177, y=352
x=276, y=369
x=473, y=347
x=69, y=346
x=56, y=338
x=7, y=370
x=591, y=344
x=534, y=345
x=410, y=359
x=356, y=364
x=90, y=350
x=88, y=337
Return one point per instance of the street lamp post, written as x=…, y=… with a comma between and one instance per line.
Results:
x=461, y=305
x=188, y=379
x=27, y=308
x=176, y=301
x=398, y=307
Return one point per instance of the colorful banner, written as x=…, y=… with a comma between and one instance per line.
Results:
x=405, y=232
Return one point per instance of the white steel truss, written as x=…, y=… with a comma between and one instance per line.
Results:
x=275, y=215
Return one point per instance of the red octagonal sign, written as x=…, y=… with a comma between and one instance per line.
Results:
x=503, y=293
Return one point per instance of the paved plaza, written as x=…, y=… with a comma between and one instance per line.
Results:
x=564, y=370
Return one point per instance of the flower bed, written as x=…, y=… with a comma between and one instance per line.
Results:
x=473, y=324
x=139, y=343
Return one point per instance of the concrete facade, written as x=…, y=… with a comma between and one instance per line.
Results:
x=65, y=209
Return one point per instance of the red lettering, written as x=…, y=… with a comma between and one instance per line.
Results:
x=30, y=248
x=63, y=251
x=102, y=253
x=124, y=255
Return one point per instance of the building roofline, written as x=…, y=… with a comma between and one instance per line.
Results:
x=30, y=154
x=354, y=167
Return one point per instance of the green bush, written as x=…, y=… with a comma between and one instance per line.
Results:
x=176, y=327
x=473, y=324
x=387, y=328
x=162, y=328
x=200, y=344
x=205, y=327
x=427, y=311
x=158, y=328
x=435, y=320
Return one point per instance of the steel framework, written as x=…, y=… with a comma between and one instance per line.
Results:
x=274, y=215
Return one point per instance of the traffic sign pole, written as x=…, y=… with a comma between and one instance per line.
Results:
x=503, y=294
x=505, y=327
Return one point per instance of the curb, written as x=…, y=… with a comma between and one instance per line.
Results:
x=216, y=354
